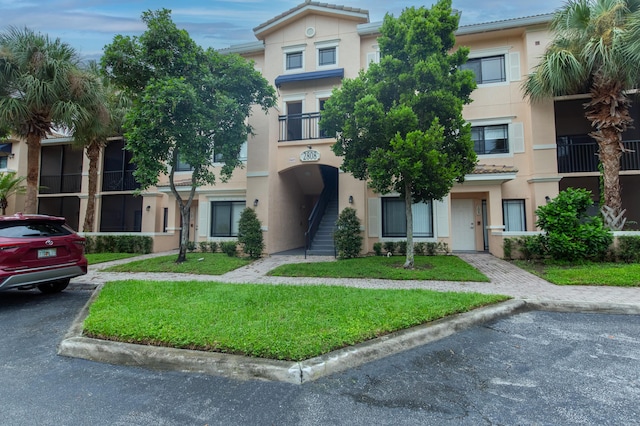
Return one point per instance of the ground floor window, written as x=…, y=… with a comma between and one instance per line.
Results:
x=514, y=215
x=67, y=207
x=394, y=219
x=121, y=213
x=224, y=218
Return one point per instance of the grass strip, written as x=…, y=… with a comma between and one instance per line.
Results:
x=196, y=263
x=598, y=274
x=269, y=321
x=445, y=268
x=94, y=258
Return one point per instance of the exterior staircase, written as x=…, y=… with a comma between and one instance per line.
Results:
x=322, y=244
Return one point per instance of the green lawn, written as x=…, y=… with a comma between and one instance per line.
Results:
x=446, y=268
x=270, y=321
x=197, y=263
x=605, y=274
x=94, y=258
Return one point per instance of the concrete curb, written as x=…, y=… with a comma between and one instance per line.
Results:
x=245, y=368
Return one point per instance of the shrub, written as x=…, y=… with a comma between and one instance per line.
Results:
x=347, y=236
x=377, y=248
x=402, y=247
x=569, y=233
x=250, y=233
x=390, y=246
x=203, y=246
x=628, y=249
x=420, y=248
x=213, y=246
x=118, y=244
x=229, y=248
x=191, y=246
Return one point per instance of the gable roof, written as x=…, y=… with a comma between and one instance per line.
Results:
x=309, y=7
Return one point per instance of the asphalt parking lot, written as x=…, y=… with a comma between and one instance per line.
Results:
x=530, y=368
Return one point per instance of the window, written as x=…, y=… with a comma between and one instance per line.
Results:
x=218, y=157
x=327, y=56
x=294, y=60
x=513, y=214
x=182, y=165
x=3, y=162
x=394, y=219
x=490, y=139
x=224, y=218
x=487, y=70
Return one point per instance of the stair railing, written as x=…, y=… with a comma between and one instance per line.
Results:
x=314, y=219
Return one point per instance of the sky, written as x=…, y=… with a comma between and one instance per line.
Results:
x=89, y=25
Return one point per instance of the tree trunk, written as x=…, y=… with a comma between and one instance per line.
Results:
x=33, y=171
x=185, y=211
x=93, y=153
x=408, y=201
x=608, y=112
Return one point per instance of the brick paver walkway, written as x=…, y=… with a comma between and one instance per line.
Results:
x=505, y=279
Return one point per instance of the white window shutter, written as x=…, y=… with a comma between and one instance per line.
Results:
x=516, y=137
x=514, y=66
x=442, y=217
x=204, y=217
x=373, y=222
x=373, y=57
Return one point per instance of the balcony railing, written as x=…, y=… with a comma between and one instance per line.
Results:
x=297, y=127
x=119, y=181
x=579, y=154
x=59, y=184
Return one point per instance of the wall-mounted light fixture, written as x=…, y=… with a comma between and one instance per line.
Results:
x=12, y=155
x=350, y=199
x=148, y=208
x=255, y=202
x=547, y=198
x=309, y=146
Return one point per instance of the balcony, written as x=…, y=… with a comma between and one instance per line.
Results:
x=579, y=154
x=61, y=184
x=298, y=127
x=119, y=181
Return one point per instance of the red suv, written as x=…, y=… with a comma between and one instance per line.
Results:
x=39, y=251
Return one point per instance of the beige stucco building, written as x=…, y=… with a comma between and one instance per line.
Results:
x=526, y=152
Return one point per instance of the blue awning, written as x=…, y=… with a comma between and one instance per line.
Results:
x=5, y=149
x=306, y=76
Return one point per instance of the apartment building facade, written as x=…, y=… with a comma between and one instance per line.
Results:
x=526, y=152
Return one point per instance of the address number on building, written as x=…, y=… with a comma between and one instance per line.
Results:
x=310, y=155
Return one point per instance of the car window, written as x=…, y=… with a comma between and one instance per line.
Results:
x=32, y=229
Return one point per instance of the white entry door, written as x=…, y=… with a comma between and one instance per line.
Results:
x=463, y=230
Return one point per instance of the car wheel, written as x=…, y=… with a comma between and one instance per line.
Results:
x=53, y=287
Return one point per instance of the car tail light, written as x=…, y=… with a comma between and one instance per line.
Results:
x=9, y=246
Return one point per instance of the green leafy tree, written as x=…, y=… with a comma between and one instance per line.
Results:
x=400, y=123
x=187, y=102
x=348, y=236
x=41, y=89
x=250, y=233
x=595, y=49
x=104, y=121
x=10, y=184
x=571, y=234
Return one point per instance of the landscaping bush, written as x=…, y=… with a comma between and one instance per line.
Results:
x=569, y=233
x=377, y=248
x=434, y=248
x=348, y=237
x=213, y=246
x=191, y=246
x=402, y=247
x=390, y=246
x=229, y=248
x=628, y=249
x=203, y=246
x=118, y=244
x=250, y=233
x=420, y=248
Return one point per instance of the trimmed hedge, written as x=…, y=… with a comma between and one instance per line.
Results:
x=119, y=244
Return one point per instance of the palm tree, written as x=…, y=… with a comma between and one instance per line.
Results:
x=593, y=42
x=107, y=110
x=10, y=184
x=41, y=89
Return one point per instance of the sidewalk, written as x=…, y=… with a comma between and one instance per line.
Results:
x=505, y=279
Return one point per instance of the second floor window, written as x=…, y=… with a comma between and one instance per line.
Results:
x=487, y=70
x=490, y=139
x=294, y=60
x=327, y=56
